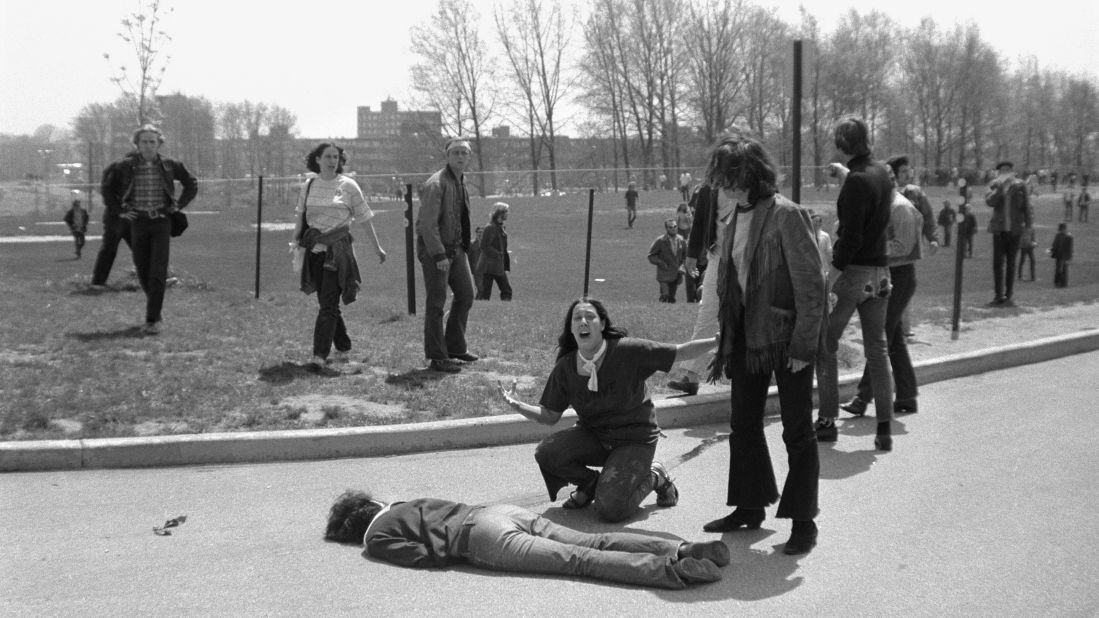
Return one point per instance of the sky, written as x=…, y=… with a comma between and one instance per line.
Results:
x=322, y=64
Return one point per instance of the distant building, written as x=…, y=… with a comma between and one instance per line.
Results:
x=390, y=122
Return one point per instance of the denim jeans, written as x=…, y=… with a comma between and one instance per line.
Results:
x=1005, y=246
x=508, y=538
x=858, y=288
x=329, y=327
x=904, y=376
x=751, y=475
x=440, y=344
x=626, y=479
x=115, y=229
x=150, y=239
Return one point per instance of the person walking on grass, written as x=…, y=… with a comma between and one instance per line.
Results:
x=1061, y=252
x=330, y=202
x=1027, y=244
x=667, y=253
x=442, y=244
x=476, y=263
x=947, y=218
x=77, y=220
x=631, y=204
x=1011, y=214
x=140, y=189
x=684, y=221
x=427, y=533
x=967, y=227
x=772, y=300
x=600, y=373
x=116, y=229
x=1083, y=203
x=495, y=258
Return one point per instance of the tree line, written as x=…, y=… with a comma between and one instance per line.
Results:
x=665, y=78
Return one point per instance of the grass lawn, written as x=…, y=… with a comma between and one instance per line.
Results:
x=73, y=364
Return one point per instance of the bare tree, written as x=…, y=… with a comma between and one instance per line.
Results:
x=714, y=50
x=535, y=36
x=142, y=32
x=860, y=67
x=603, y=74
x=454, y=72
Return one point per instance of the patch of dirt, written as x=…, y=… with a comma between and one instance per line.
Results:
x=160, y=428
x=68, y=425
x=316, y=407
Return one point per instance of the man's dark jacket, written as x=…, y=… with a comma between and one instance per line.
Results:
x=863, y=208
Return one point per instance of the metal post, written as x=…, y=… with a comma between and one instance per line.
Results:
x=959, y=261
x=587, y=251
x=259, y=230
x=795, y=190
x=409, y=251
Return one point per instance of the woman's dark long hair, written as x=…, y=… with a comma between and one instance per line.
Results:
x=739, y=161
x=311, y=158
x=567, y=343
x=349, y=516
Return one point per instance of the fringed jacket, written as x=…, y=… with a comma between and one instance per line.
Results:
x=784, y=306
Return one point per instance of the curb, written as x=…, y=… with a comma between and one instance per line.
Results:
x=308, y=444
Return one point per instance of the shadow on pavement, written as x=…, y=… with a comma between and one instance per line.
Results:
x=132, y=332
x=837, y=464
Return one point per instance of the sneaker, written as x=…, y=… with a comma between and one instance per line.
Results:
x=340, y=357
x=151, y=328
x=685, y=385
x=667, y=494
x=856, y=406
x=444, y=366
x=826, y=430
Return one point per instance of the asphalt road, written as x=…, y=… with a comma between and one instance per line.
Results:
x=985, y=507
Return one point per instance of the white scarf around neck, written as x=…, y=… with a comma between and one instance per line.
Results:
x=589, y=366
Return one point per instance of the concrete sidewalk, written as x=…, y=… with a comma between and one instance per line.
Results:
x=242, y=447
x=985, y=507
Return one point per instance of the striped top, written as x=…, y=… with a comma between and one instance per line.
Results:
x=333, y=203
